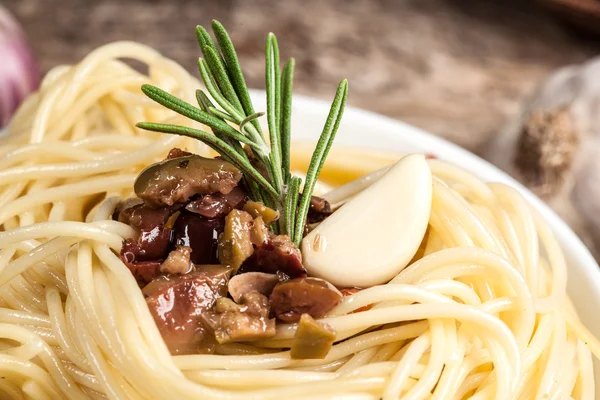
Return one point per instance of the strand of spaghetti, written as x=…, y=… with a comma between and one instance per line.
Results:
x=109, y=232
x=112, y=386
x=253, y=379
x=34, y=391
x=84, y=379
x=59, y=150
x=415, y=351
x=57, y=319
x=448, y=384
x=526, y=232
x=460, y=312
x=358, y=360
x=94, y=167
x=431, y=375
x=63, y=192
x=105, y=141
x=557, y=263
x=9, y=316
x=458, y=208
x=10, y=390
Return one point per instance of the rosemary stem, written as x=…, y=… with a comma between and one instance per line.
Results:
x=320, y=154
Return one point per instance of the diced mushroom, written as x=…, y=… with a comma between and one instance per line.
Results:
x=178, y=261
x=176, y=180
x=313, y=339
x=278, y=254
x=250, y=321
x=258, y=209
x=313, y=296
x=218, y=205
x=243, y=284
x=200, y=234
x=178, y=302
x=235, y=245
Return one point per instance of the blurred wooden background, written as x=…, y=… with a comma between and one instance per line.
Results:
x=458, y=68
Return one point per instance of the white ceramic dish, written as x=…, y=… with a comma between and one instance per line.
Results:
x=369, y=130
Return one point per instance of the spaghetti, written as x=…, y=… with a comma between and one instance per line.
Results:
x=480, y=313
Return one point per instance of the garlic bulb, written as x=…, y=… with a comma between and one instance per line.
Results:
x=19, y=74
x=553, y=147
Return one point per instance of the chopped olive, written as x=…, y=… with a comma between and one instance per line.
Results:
x=200, y=234
x=259, y=233
x=245, y=322
x=313, y=339
x=260, y=282
x=258, y=209
x=235, y=245
x=176, y=180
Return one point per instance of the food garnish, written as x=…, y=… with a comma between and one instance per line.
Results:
x=237, y=134
x=217, y=253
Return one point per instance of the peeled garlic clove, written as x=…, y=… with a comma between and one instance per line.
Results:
x=370, y=239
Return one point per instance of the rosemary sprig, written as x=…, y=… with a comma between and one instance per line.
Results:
x=229, y=105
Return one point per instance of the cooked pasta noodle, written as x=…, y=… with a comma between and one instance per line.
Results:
x=481, y=313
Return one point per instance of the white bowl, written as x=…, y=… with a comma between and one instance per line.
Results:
x=365, y=129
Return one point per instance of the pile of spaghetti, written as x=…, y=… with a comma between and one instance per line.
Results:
x=481, y=313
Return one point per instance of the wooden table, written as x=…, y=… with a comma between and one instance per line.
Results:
x=458, y=68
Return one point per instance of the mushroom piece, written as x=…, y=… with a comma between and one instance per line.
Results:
x=383, y=225
x=176, y=180
x=248, y=282
x=313, y=296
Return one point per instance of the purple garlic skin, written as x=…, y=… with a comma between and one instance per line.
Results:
x=19, y=72
x=553, y=147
